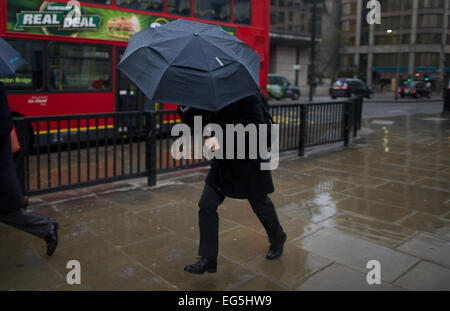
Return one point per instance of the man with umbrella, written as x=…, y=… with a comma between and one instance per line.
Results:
x=213, y=74
x=12, y=210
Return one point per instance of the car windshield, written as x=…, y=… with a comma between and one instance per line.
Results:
x=407, y=83
x=339, y=83
x=275, y=80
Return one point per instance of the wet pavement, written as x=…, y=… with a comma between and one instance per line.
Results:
x=387, y=198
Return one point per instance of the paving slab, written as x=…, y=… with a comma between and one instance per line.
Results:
x=428, y=247
x=355, y=252
x=337, y=277
x=425, y=276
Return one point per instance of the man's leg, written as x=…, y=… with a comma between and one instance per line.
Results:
x=208, y=221
x=36, y=225
x=265, y=210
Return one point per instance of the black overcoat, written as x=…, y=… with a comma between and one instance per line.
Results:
x=239, y=178
x=11, y=196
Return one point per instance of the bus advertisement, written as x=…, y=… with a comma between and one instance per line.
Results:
x=72, y=61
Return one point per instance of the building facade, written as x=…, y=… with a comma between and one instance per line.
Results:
x=290, y=39
x=412, y=41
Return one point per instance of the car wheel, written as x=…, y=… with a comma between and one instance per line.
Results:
x=295, y=96
x=333, y=97
x=402, y=96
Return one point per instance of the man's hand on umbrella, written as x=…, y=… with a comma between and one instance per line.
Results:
x=212, y=144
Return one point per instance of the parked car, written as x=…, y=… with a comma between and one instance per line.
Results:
x=349, y=87
x=279, y=87
x=414, y=89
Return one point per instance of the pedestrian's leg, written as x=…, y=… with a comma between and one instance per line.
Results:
x=265, y=210
x=208, y=220
x=34, y=224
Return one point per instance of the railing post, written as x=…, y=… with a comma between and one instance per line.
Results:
x=355, y=115
x=19, y=157
x=302, y=136
x=150, y=148
x=360, y=109
x=346, y=128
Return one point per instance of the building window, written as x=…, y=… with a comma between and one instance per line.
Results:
x=281, y=17
x=390, y=60
x=242, y=12
x=427, y=59
x=395, y=5
x=349, y=25
x=146, y=5
x=347, y=60
x=430, y=21
x=273, y=18
x=349, y=8
x=392, y=39
x=79, y=67
x=429, y=38
x=28, y=76
x=426, y=4
x=218, y=10
x=393, y=22
x=179, y=7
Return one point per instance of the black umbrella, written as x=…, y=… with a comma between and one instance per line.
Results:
x=191, y=64
x=10, y=59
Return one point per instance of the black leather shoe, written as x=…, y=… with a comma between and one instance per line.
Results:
x=52, y=238
x=204, y=264
x=276, y=250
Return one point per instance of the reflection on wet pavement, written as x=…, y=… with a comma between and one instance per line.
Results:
x=386, y=198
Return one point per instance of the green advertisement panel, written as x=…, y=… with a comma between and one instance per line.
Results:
x=55, y=18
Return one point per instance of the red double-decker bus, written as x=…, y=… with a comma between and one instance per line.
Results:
x=73, y=48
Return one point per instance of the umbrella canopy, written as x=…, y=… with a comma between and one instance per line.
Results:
x=191, y=64
x=10, y=59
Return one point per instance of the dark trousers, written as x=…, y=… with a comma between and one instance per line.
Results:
x=209, y=220
x=39, y=226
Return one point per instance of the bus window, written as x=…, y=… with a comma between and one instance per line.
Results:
x=28, y=76
x=218, y=10
x=242, y=12
x=106, y=2
x=147, y=5
x=79, y=67
x=179, y=7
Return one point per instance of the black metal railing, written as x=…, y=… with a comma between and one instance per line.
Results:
x=63, y=152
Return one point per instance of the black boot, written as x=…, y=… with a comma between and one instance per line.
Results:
x=276, y=249
x=204, y=264
x=52, y=238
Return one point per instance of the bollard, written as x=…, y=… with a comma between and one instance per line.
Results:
x=150, y=148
